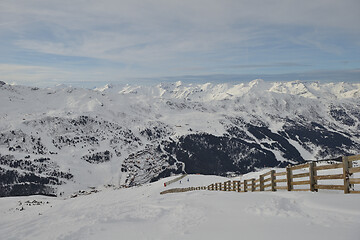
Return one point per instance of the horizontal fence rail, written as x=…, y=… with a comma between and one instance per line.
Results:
x=174, y=180
x=309, y=177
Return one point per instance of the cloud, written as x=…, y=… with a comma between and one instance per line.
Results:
x=25, y=74
x=13, y=67
x=121, y=30
x=46, y=76
x=32, y=75
x=248, y=66
x=342, y=75
x=272, y=65
x=160, y=37
x=77, y=14
x=37, y=75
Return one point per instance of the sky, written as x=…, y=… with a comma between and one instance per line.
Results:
x=89, y=43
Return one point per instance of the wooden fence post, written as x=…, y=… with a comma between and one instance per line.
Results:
x=289, y=178
x=346, y=166
x=245, y=185
x=312, y=175
x=261, y=182
x=239, y=186
x=273, y=178
x=253, y=184
x=233, y=186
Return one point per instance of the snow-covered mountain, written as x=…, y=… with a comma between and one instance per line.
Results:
x=59, y=140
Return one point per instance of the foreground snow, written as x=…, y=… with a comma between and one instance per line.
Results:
x=142, y=213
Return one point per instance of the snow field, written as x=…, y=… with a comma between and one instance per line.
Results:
x=142, y=213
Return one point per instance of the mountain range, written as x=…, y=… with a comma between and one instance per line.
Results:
x=55, y=141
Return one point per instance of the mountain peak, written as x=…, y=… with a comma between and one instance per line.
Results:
x=256, y=82
x=178, y=83
x=104, y=88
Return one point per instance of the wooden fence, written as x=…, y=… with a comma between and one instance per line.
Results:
x=174, y=180
x=309, y=174
x=176, y=190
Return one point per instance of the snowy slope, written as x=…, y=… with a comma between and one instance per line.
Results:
x=142, y=213
x=64, y=139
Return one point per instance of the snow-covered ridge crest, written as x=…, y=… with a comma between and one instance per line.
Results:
x=221, y=91
x=211, y=91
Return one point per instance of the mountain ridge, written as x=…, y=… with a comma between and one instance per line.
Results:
x=130, y=135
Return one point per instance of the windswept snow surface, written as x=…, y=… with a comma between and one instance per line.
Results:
x=142, y=213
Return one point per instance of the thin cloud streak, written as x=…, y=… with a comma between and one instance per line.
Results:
x=351, y=75
x=47, y=77
x=273, y=65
